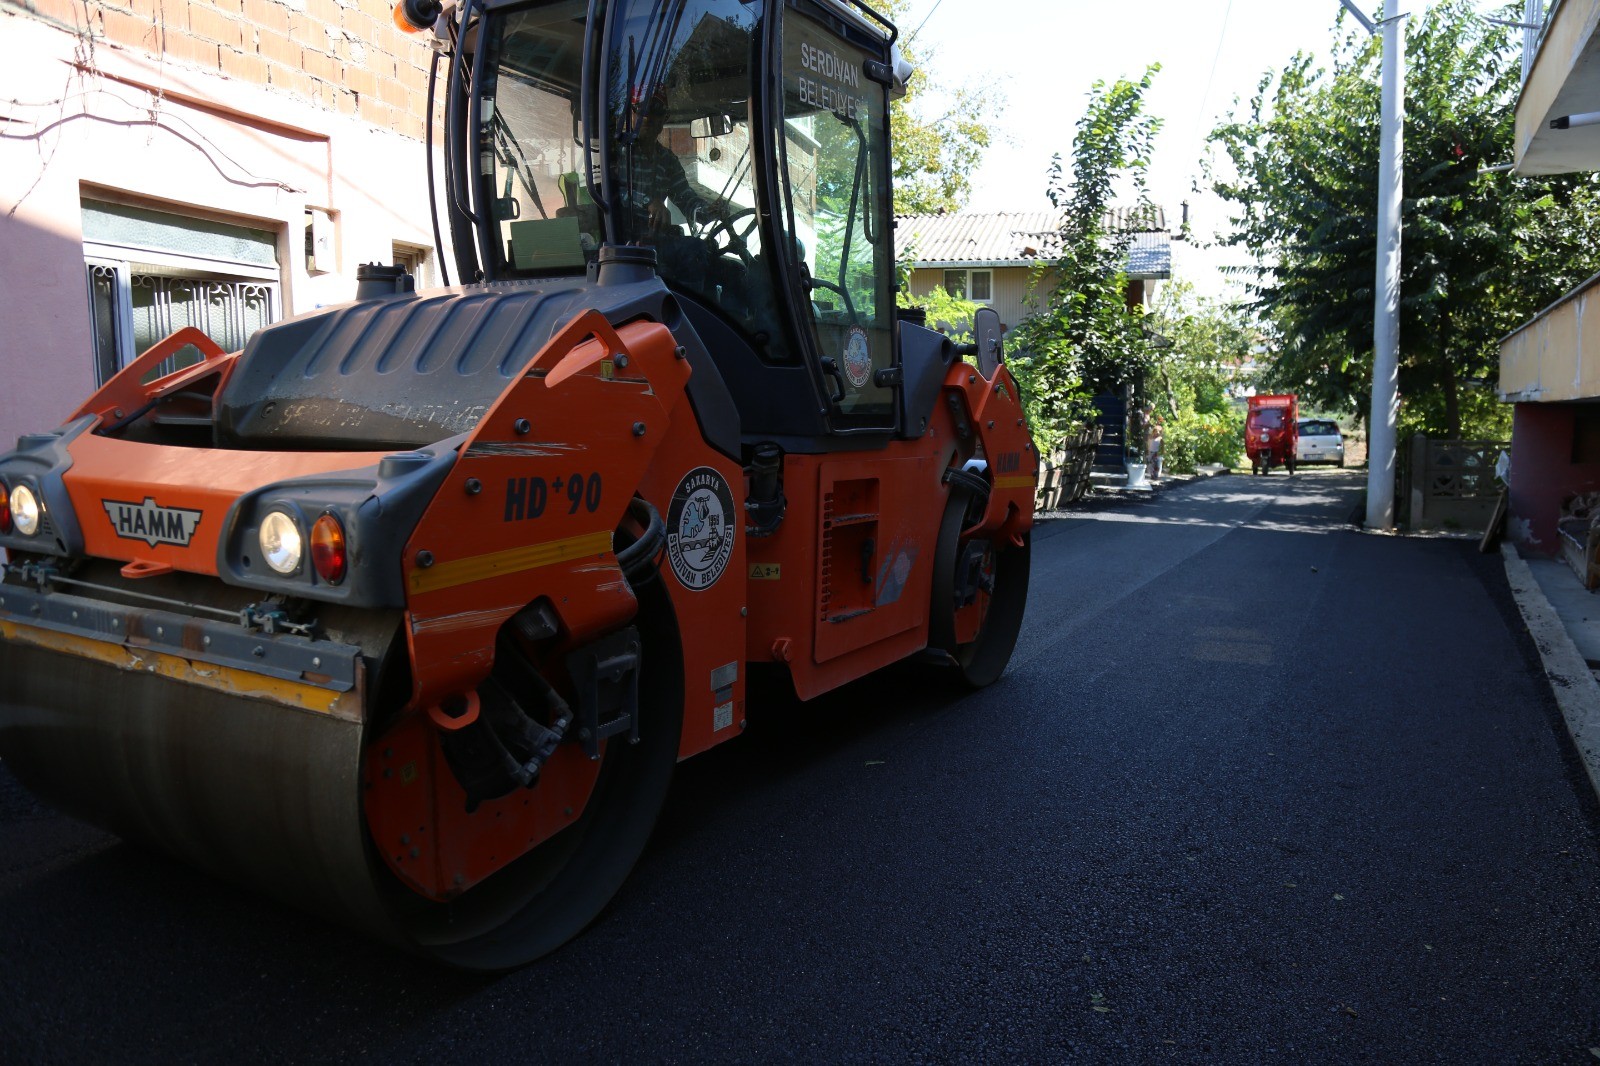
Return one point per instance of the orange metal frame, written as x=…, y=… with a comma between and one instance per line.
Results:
x=600, y=414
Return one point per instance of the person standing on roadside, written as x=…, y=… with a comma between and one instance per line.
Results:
x=1153, y=441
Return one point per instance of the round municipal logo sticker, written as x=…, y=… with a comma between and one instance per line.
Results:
x=700, y=528
x=857, y=358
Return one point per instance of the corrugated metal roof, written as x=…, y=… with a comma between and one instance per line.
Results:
x=1023, y=238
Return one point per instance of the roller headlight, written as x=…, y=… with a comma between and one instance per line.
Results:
x=25, y=510
x=281, y=542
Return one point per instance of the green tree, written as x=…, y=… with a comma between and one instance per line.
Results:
x=1085, y=336
x=938, y=134
x=1480, y=252
x=1189, y=383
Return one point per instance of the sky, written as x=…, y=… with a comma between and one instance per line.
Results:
x=1045, y=54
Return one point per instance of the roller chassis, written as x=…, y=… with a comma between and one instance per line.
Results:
x=555, y=517
x=224, y=663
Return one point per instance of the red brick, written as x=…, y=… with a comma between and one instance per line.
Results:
x=269, y=17
x=392, y=40
x=245, y=66
x=360, y=80
x=212, y=25
x=276, y=48
x=391, y=92
x=326, y=12
x=326, y=67
x=360, y=26
x=66, y=12
x=303, y=29
x=292, y=78
x=347, y=102
x=172, y=15
x=183, y=48
x=131, y=30
x=410, y=126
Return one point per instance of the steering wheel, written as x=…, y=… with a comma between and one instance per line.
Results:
x=733, y=238
x=849, y=305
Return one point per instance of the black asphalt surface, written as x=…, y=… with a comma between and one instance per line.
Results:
x=1255, y=787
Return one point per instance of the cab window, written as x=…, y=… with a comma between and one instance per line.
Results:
x=683, y=177
x=531, y=149
x=833, y=156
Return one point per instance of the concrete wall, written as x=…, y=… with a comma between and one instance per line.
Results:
x=197, y=110
x=1543, y=473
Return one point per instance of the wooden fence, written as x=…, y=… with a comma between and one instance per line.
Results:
x=1064, y=477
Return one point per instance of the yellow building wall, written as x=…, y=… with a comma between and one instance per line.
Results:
x=1556, y=356
x=1012, y=288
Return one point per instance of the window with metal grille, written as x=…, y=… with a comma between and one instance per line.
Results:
x=151, y=273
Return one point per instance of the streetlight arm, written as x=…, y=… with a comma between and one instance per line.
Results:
x=1361, y=17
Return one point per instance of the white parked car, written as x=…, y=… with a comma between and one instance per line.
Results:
x=1320, y=442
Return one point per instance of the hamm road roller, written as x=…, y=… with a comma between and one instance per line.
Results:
x=405, y=613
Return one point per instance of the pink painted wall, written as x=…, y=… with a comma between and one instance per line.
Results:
x=1543, y=473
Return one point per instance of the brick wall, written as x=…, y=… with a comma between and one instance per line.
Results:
x=343, y=55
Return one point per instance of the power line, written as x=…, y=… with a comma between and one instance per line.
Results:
x=929, y=15
x=1205, y=97
x=1211, y=78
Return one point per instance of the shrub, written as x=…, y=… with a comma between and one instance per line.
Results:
x=1206, y=438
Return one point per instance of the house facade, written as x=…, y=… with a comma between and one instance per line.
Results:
x=209, y=163
x=995, y=259
x=1550, y=367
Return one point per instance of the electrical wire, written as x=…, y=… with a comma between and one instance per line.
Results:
x=925, y=19
x=1211, y=78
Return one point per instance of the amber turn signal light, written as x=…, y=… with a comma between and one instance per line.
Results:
x=414, y=16
x=328, y=554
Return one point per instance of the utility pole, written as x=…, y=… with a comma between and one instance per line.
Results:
x=1386, y=310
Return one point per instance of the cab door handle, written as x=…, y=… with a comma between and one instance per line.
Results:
x=830, y=368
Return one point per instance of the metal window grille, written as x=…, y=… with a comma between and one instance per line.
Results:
x=131, y=311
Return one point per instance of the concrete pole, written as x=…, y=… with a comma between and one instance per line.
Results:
x=1386, y=315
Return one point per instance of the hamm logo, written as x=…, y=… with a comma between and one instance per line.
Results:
x=150, y=523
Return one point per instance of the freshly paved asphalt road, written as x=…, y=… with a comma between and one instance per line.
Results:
x=1256, y=786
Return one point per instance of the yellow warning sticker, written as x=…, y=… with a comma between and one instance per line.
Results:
x=608, y=369
x=766, y=571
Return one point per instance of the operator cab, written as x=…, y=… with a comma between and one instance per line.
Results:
x=744, y=141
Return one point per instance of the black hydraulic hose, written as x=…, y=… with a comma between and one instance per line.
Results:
x=433, y=196
x=638, y=560
x=463, y=239
x=593, y=64
x=968, y=482
x=477, y=207
x=453, y=115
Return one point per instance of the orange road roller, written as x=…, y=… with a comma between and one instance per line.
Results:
x=405, y=613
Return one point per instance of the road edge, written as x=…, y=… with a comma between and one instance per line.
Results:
x=1576, y=691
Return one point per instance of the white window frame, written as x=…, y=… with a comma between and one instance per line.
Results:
x=969, y=274
x=416, y=258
